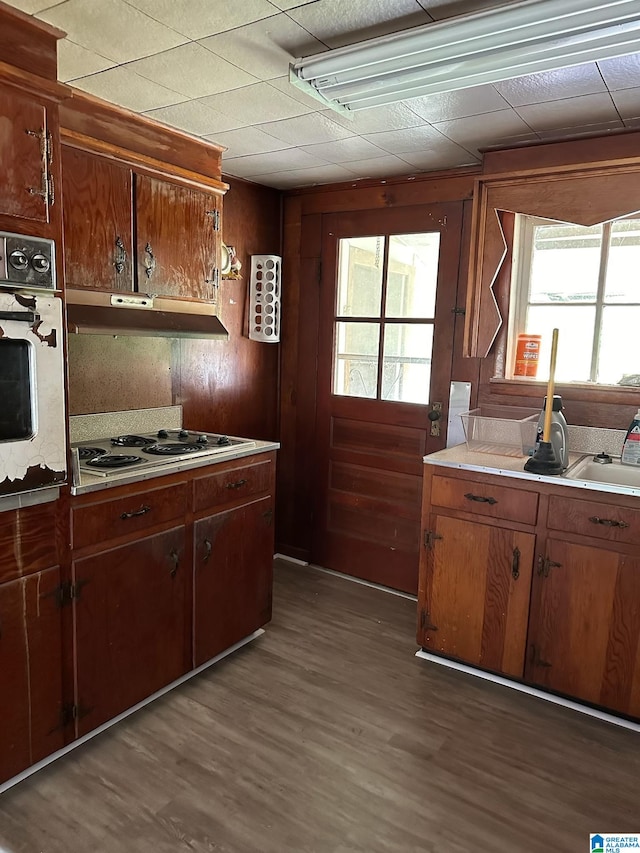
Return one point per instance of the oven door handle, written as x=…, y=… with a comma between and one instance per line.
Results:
x=20, y=316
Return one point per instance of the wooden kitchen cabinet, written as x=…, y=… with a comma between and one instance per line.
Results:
x=98, y=222
x=30, y=671
x=27, y=188
x=585, y=624
x=27, y=540
x=177, y=240
x=474, y=593
x=131, y=626
x=233, y=576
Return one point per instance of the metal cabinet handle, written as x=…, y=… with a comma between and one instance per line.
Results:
x=480, y=499
x=120, y=257
x=238, y=484
x=175, y=558
x=608, y=522
x=207, y=550
x=142, y=511
x=150, y=262
x=515, y=564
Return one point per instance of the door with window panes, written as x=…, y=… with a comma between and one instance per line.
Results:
x=388, y=291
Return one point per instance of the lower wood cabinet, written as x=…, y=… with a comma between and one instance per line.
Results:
x=31, y=725
x=474, y=593
x=585, y=625
x=535, y=581
x=131, y=632
x=232, y=576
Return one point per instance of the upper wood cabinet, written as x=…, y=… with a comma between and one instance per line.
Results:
x=177, y=240
x=27, y=189
x=98, y=222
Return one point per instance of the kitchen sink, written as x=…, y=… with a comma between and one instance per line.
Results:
x=615, y=473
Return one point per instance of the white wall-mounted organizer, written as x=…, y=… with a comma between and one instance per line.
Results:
x=264, y=298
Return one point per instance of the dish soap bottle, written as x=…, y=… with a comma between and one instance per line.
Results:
x=631, y=446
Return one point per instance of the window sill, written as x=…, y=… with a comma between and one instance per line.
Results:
x=584, y=391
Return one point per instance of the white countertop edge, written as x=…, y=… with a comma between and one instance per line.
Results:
x=591, y=485
x=95, y=484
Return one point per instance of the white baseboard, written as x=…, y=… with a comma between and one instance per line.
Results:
x=290, y=559
x=66, y=749
x=532, y=691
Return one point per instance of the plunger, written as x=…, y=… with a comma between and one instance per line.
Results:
x=544, y=460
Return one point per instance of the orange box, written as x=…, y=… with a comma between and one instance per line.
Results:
x=527, y=355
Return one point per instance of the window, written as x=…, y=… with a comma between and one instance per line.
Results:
x=385, y=311
x=584, y=281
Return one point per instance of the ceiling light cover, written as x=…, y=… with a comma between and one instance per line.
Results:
x=471, y=50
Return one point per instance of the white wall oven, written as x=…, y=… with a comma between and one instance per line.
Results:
x=32, y=412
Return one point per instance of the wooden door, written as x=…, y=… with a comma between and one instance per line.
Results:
x=30, y=671
x=585, y=625
x=98, y=235
x=475, y=583
x=233, y=576
x=131, y=632
x=178, y=239
x=388, y=292
x=25, y=155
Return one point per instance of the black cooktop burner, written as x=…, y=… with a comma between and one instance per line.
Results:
x=86, y=453
x=116, y=460
x=131, y=441
x=171, y=449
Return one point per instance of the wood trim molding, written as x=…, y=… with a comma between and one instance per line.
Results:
x=38, y=86
x=141, y=162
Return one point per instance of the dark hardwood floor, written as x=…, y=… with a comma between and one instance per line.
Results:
x=327, y=736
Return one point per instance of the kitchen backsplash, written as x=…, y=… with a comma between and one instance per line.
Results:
x=132, y=421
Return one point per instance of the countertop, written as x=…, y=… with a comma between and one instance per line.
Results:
x=462, y=458
x=84, y=483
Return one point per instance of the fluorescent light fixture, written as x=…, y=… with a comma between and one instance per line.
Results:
x=469, y=50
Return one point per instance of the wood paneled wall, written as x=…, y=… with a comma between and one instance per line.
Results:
x=224, y=386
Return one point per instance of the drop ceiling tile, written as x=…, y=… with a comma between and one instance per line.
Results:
x=122, y=86
x=192, y=71
x=193, y=117
x=439, y=9
x=122, y=32
x=627, y=102
x=390, y=117
x=569, y=112
x=345, y=150
x=621, y=73
x=289, y=4
x=199, y=18
x=553, y=85
x=459, y=104
x=276, y=161
x=306, y=130
x=31, y=7
x=443, y=157
x=473, y=132
x=246, y=141
x=337, y=23
x=305, y=177
x=380, y=167
x=586, y=130
x=265, y=48
x=75, y=61
x=633, y=123
x=254, y=104
x=411, y=139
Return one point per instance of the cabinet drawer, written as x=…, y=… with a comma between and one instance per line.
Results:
x=592, y=518
x=99, y=522
x=232, y=484
x=481, y=499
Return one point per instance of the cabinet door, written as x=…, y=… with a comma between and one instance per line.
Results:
x=24, y=155
x=98, y=237
x=585, y=625
x=131, y=631
x=178, y=239
x=30, y=672
x=474, y=593
x=233, y=576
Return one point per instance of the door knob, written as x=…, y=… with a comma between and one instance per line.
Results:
x=434, y=416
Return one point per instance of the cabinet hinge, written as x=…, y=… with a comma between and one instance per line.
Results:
x=215, y=219
x=67, y=592
x=425, y=621
x=430, y=537
x=71, y=712
x=459, y=312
